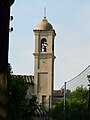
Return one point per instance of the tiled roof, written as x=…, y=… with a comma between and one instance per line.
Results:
x=41, y=111
x=27, y=78
x=58, y=93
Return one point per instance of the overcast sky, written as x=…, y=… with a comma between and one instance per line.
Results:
x=71, y=21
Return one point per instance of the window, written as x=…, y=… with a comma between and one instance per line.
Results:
x=43, y=45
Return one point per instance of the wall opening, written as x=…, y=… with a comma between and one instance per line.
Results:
x=43, y=45
x=44, y=100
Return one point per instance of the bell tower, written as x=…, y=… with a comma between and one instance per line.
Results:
x=44, y=62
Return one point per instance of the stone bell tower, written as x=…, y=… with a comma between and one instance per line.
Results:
x=44, y=62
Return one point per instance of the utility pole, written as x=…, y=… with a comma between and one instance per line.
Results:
x=65, y=101
x=4, y=45
x=88, y=76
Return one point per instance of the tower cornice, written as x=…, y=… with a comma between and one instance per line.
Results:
x=44, y=55
x=41, y=32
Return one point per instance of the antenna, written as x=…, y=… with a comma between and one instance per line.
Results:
x=44, y=12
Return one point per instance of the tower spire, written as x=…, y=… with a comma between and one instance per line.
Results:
x=44, y=12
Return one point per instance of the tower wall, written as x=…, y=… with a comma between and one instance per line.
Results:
x=44, y=65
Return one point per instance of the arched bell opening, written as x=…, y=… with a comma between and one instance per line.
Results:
x=43, y=45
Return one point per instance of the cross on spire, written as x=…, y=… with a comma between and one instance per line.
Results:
x=44, y=12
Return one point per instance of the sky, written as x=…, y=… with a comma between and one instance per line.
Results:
x=71, y=21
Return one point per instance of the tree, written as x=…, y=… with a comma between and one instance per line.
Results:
x=28, y=108
x=57, y=111
x=19, y=107
x=76, y=106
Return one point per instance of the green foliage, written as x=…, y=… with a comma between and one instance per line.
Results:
x=57, y=111
x=19, y=107
x=80, y=94
x=28, y=108
x=76, y=106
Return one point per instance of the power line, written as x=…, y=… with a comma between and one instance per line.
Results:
x=79, y=80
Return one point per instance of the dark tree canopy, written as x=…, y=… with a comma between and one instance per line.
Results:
x=19, y=107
